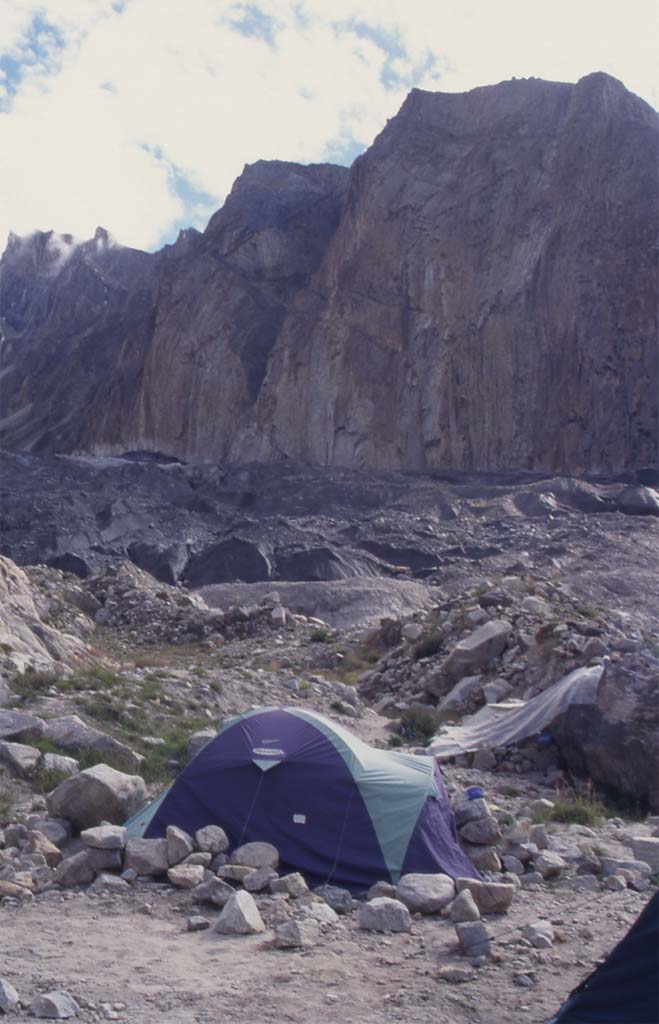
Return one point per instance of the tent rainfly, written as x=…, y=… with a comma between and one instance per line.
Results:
x=336, y=809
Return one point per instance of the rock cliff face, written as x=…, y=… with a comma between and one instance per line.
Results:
x=479, y=291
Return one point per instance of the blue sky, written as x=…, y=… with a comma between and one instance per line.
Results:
x=139, y=114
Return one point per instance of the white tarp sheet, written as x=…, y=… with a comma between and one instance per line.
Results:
x=497, y=725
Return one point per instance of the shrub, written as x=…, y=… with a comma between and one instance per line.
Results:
x=6, y=807
x=572, y=807
x=31, y=682
x=418, y=724
x=429, y=645
x=320, y=636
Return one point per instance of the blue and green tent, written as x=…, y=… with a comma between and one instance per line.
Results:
x=337, y=809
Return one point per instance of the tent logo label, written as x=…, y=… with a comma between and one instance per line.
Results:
x=268, y=752
x=299, y=819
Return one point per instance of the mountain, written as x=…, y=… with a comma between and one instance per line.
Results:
x=477, y=292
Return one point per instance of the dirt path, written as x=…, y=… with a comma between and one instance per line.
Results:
x=130, y=959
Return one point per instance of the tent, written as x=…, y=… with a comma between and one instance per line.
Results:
x=625, y=988
x=336, y=809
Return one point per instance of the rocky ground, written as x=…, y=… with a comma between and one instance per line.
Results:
x=115, y=666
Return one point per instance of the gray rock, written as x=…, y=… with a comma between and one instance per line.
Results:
x=466, y=810
x=75, y=870
x=320, y=912
x=71, y=733
x=256, y=855
x=483, y=832
x=147, y=856
x=234, y=872
x=198, y=741
x=109, y=883
x=38, y=843
x=478, y=649
x=186, y=876
x=197, y=923
x=484, y=858
x=179, y=844
x=212, y=839
x=240, y=916
x=539, y=933
x=473, y=938
x=22, y=759
x=384, y=915
x=58, y=830
x=105, y=837
x=484, y=761
x=260, y=879
x=60, y=763
x=646, y=849
x=215, y=891
x=616, y=883
x=97, y=794
x=455, y=975
x=427, y=894
x=489, y=897
x=199, y=857
x=293, y=884
x=381, y=889
x=585, y=883
x=341, y=901
x=466, y=693
x=496, y=691
x=8, y=997
x=104, y=860
x=549, y=864
x=54, y=1006
x=463, y=908
x=17, y=726
x=612, y=866
x=512, y=864
x=295, y=934
x=538, y=835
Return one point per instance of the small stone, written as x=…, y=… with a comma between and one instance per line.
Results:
x=321, y=912
x=256, y=855
x=483, y=832
x=186, y=876
x=513, y=865
x=54, y=1006
x=296, y=934
x=381, y=889
x=484, y=761
x=455, y=975
x=293, y=884
x=384, y=915
x=41, y=844
x=104, y=860
x=75, y=870
x=215, y=891
x=240, y=916
x=647, y=849
x=179, y=844
x=473, y=938
x=463, y=908
x=8, y=997
x=489, y=897
x=197, y=923
x=341, y=901
x=540, y=934
x=616, y=883
x=147, y=856
x=234, y=872
x=538, y=835
x=585, y=883
x=212, y=839
x=105, y=837
x=109, y=883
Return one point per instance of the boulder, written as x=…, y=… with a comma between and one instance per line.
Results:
x=427, y=894
x=22, y=759
x=489, y=897
x=186, y=876
x=539, y=933
x=340, y=900
x=109, y=883
x=97, y=794
x=54, y=1006
x=473, y=938
x=256, y=855
x=615, y=740
x=484, y=858
x=240, y=916
x=228, y=560
x=646, y=849
x=17, y=725
x=296, y=934
x=147, y=856
x=483, y=831
x=60, y=763
x=465, y=695
x=58, y=830
x=260, y=879
x=71, y=733
x=8, y=997
x=293, y=884
x=463, y=908
x=549, y=864
x=321, y=912
x=478, y=649
x=215, y=891
x=384, y=915
x=74, y=870
x=212, y=839
x=197, y=923
x=165, y=563
x=179, y=844
x=638, y=501
x=105, y=837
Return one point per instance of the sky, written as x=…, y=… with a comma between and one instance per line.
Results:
x=138, y=115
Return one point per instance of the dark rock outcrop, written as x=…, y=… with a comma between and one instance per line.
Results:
x=479, y=291
x=615, y=740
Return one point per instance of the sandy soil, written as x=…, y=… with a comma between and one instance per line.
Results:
x=130, y=959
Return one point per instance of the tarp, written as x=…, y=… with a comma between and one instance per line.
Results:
x=336, y=809
x=625, y=988
x=497, y=725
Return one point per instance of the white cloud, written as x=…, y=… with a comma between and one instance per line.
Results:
x=120, y=102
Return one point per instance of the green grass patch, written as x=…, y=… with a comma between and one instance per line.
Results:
x=572, y=807
x=429, y=645
x=320, y=636
x=6, y=807
x=164, y=761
